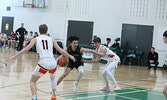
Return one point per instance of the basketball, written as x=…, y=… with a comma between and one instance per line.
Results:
x=62, y=62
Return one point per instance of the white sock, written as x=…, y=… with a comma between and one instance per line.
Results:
x=53, y=92
x=53, y=81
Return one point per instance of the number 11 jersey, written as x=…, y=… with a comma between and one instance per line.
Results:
x=44, y=47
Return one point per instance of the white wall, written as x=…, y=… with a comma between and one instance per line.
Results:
x=107, y=15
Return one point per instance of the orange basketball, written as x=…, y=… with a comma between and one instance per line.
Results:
x=62, y=62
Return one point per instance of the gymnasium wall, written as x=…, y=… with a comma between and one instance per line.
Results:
x=107, y=15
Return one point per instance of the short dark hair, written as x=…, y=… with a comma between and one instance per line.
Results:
x=153, y=48
x=97, y=39
x=31, y=32
x=165, y=34
x=73, y=38
x=43, y=29
x=108, y=39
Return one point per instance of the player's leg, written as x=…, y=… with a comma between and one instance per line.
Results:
x=107, y=72
x=53, y=83
x=66, y=72
x=33, y=86
x=80, y=73
x=165, y=91
x=105, y=77
x=37, y=73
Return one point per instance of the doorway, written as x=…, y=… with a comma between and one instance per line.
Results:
x=83, y=29
x=7, y=25
x=137, y=37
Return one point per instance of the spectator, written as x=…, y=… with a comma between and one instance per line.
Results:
x=152, y=58
x=11, y=40
x=48, y=35
x=21, y=32
x=3, y=38
x=31, y=35
x=108, y=42
x=35, y=35
x=116, y=44
x=26, y=39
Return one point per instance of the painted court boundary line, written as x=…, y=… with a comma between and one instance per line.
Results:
x=115, y=94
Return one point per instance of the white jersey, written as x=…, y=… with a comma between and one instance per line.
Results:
x=44, y=47
x=110, y=55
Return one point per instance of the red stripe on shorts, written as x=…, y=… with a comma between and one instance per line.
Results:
x=53, y=71
x=42, y=71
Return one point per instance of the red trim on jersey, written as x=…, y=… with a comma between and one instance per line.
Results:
x=42, y=71
x=53, y=71
x=111, y=56
x=118, y=64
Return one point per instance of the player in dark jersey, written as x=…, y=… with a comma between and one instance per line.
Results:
x=75, y=50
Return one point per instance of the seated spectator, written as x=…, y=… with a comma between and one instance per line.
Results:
x=109, y=44
x=35, y=35
x=48, y=35
x=3, y=38
x=152, y=58
x=31, y=35
x=116, y=44
x=11, y=39
x=26, y=39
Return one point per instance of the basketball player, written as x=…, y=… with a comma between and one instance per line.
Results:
x=165, y=41
x=113, y=62
x=44, y=46
x=75, y=50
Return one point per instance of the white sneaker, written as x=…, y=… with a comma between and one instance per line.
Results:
x=75, y=88
x=116, y=88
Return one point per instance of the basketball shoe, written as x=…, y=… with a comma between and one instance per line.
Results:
x=75, y=88
x=116, y=87
x=53, y=97
x=105, y=89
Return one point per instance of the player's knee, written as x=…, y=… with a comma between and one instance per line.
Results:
x=52, y=77
x=81, y=71
x=105, y=72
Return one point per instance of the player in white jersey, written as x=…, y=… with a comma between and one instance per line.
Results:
x=165, y=41
x=44, y=46
x=113, y=62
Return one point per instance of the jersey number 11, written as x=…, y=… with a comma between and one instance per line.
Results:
x=45, y=44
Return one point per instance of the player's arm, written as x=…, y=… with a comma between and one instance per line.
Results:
x=62, y=55
x=91, y=61
x=32, y=43
x=63, y=52
x=84, y=50
x=102, y=52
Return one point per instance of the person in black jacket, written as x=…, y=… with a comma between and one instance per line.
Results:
x=116, y=44
x=21, y=32
x=152, y=58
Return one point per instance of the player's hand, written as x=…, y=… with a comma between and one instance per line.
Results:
x=83, y=60
x=72, y=58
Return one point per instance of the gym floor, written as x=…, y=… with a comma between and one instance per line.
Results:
x=137, y=82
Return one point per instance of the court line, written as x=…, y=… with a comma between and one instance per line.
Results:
x=116, y=94
x=105, y=95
